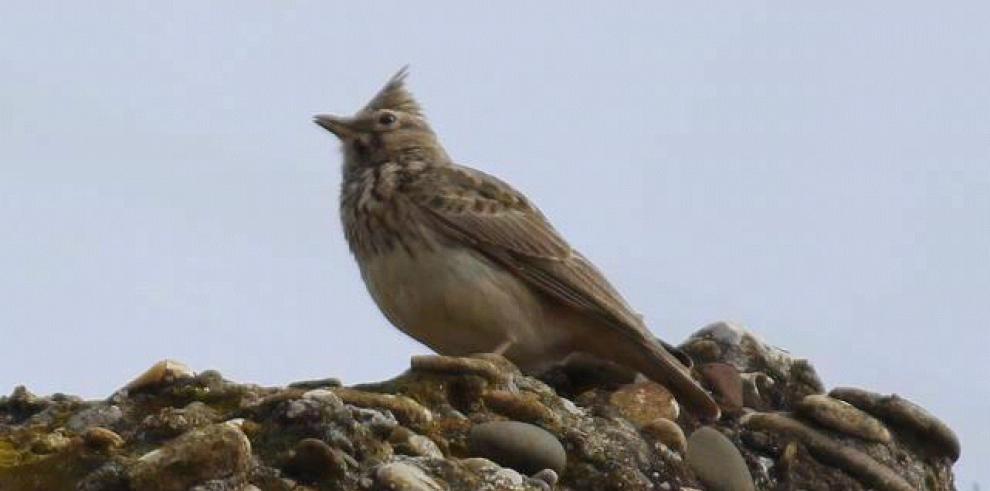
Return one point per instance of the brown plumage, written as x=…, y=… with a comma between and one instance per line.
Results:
x=464, y=263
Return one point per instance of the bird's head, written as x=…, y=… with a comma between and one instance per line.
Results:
x=390, y=128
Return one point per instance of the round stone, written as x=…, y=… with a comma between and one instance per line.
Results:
x=217, y=451
x=666, y=432
x=842, y=417
x=643, y=402
x=717, y=462
x=524, y=447
x=101, y=438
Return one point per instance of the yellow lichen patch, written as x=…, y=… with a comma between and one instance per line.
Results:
x=9, y=456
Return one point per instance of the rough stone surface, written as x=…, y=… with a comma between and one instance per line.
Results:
x=177, y=430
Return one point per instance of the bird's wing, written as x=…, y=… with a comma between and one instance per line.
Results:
x=480, y=211
x=475, y=208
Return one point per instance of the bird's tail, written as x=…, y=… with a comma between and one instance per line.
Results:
x=662, y=367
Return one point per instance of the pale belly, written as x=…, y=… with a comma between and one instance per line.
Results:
x=458, y=303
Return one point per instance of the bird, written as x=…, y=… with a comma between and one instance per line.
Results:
x=464, y=263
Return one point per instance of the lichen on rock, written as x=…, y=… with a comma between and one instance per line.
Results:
x=478, y=424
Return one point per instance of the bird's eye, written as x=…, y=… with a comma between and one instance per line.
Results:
x=387, y=119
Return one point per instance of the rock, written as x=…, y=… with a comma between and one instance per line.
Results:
x=644, y=402
x=524, y=407
x=415, y=430
x=102, y=439
x=853, y=461
x=905, y=414
x=748, y=353
x=51, y=443
x=408, y=443
x=459, y=366
x=524, y=447
x=316, y=384
x=725, y=383
x=314, y=460
x=757, y=390
x=101, y=415
x=162, y=373
x=22, y=403
x=717, y=462
x=218, y=451
x=666, y=432
x=401, y=476
x=406, y=410
x=548, y=477
x=842, y=417
x=170, y=422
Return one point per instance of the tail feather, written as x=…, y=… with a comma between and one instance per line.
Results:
x=664, y=368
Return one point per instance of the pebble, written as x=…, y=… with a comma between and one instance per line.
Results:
x=724, y=381
x=101, y=415
x=717, y=462
x=316, y=384
x=521, y=446
x=99, y=438
x=855, y=462
x=400, y=476
x=546, y=476
x=643, y=402
x=312, y=459
x=842, y=417
x=406, y=410
x=666, y=432
x=525, y=406
x=458, y=366
x=217, y=451
x=406, y=442
x=161, y=373
x=905, y=414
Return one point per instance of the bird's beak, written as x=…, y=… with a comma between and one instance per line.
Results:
x=340, y=126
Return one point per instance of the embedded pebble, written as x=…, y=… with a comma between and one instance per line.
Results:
x=903, y=413
x=524, y=447
x=457, y=365
x=100, y=438
x=643, y=402
x=170, y=421
x=325, y=396
x=217, y=451
x=547, y=476
x=726, y=384
x=400, y=476
x=316, y=384
x=312, y=459
x=521, y=406
x=406, y=442
x=666, y=432
x=717, y=462
x=101, y=415
x=853, y=461
x=756, y=388
x=406, y=410
x=842, y=417
x=50, y=443
x=161, y=373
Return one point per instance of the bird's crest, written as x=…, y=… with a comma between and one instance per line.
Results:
x=394, y=96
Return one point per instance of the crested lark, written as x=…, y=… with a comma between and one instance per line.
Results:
x=464, y=263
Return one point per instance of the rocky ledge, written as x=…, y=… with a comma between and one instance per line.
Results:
x=476, y=423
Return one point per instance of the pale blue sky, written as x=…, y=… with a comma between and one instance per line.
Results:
x=820, y=173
